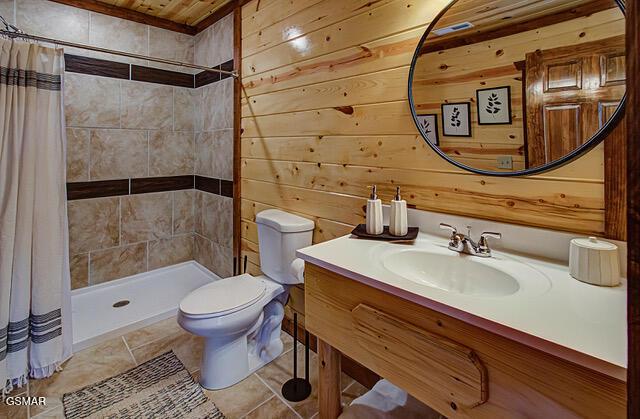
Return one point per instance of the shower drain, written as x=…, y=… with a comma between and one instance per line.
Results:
x=121, y=303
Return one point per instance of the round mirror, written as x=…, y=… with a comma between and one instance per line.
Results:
x=509, y=88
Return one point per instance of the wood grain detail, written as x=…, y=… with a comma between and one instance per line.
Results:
x=329, y=401
x=456, y=374
x=633, y=199
x=613, y=69
x=615, y=182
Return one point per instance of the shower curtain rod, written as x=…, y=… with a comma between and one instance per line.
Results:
x=11, y=34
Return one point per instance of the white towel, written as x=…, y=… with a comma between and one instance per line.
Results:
x=387, y=401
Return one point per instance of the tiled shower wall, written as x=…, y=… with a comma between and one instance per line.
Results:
x=123, y=129
x=214, y=145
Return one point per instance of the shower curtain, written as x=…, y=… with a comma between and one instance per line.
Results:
x=35, y=302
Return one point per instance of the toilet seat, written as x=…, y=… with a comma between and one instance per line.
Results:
x=223, y=297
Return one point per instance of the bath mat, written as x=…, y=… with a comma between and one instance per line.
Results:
x=159, y=388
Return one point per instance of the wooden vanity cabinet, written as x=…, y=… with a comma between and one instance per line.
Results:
x=458, y=369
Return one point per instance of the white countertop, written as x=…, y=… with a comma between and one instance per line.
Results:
x=575, y=321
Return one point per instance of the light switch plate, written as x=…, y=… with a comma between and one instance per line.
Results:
x=505, y=162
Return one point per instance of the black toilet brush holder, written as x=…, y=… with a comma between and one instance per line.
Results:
x=298, y=389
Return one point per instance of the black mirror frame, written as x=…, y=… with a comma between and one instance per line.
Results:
x=596, y=139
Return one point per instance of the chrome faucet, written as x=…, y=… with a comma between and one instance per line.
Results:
x=461, y=243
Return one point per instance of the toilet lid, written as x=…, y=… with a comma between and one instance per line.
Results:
x=223, y=295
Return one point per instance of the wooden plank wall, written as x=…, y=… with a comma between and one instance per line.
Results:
x=325, y=114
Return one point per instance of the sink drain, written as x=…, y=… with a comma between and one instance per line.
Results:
x=121, y=303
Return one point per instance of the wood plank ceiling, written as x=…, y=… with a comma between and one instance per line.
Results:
x=187, y=12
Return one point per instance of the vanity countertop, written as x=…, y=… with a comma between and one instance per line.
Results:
x=575, y=321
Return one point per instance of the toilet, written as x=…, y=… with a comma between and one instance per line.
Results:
x=240, y=317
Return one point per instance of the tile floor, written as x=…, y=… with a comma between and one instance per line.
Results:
x=258, y=396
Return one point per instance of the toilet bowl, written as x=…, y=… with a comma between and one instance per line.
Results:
x=240, y=317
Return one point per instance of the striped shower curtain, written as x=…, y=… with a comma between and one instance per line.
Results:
x=35, y=304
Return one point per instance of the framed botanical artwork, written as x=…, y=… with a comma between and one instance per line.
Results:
x=494, y=106
x=456, y=119
x=428, y=124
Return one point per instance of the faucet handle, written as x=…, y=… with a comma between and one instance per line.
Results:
x=492, y=235
x=456, y=241
x=449, y=227
x=483, y=244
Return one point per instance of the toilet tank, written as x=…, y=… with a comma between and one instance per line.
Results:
x=280, y=234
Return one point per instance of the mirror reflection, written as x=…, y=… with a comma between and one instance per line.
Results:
x=519, y=86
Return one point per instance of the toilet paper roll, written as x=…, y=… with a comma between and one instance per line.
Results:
x=296, y=270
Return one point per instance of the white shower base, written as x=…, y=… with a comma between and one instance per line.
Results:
x=152, y=296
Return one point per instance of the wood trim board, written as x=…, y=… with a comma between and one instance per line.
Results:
x=615, y=183
x=237, y=127
x=633, y=215
x=216, y=16
x=139, y=17
x=128, y=14
x=572, y=13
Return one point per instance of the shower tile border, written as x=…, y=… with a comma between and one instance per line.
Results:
x=206, y=77
x=207, y=184
x=160, y=76
x=161, y=184
x=118, y=70
x=226, y=66
x=226, y=188
x=96, y=67
x=97, y=189
x=134, y=186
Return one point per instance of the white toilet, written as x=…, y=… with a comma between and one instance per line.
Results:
x=240, y=317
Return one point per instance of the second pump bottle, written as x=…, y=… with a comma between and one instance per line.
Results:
x=397, y=215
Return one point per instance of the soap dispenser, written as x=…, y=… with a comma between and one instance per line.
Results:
x=398, y=225
x=374, y=214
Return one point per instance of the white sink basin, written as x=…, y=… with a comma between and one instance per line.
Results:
x=452, y=272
